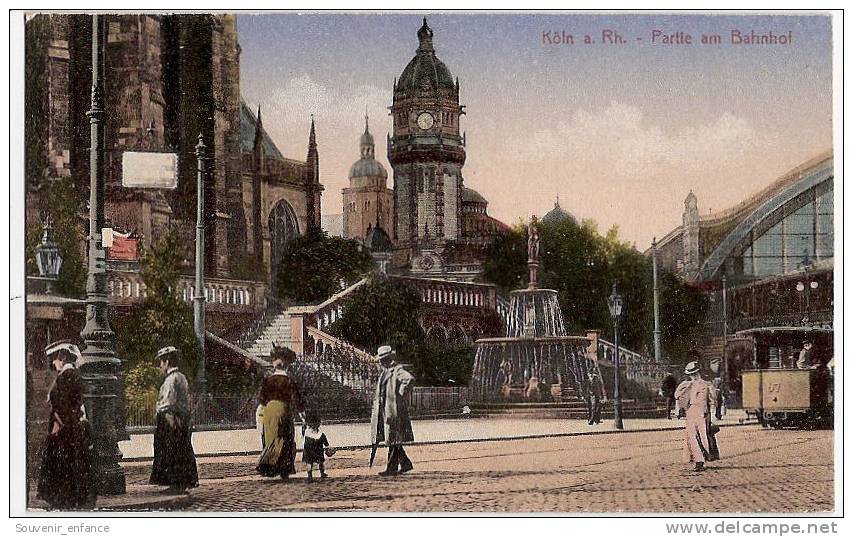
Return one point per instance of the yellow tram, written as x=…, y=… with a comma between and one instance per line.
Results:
x=787, y=379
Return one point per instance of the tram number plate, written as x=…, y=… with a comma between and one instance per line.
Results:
x=774, y=387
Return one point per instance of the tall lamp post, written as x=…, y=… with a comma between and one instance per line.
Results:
x=99, y=367
x=615, y=304
x=656, y=299
x=198, y=299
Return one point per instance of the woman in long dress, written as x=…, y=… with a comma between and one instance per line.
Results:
x=65, y=478
x=698, y=397
x=281, y=400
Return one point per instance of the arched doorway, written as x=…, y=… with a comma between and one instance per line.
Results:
x=283, y=227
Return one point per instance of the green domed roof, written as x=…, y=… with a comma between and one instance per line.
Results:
x=425, y=71
x=367, y=167
x=557, y=214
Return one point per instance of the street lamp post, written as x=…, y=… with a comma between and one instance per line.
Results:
x=99, y=367
x=724, y=376
x=656, y=299
x=198, y=298
x=615, y=304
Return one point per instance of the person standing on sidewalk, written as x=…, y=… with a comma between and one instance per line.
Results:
x=595, y=393
x=667, y=390
x=281, y=399
x=698, y=397
x=65, y=479
x=174, y=458
x=389, y=420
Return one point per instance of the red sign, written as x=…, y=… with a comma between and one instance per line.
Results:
x=124, y=248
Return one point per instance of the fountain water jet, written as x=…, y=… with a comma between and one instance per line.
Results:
x=537, y=360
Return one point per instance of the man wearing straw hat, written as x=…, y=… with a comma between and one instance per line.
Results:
x=698, y=397
x=389, y=419
x=174, y=458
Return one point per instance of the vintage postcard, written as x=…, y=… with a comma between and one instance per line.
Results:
x=428, y=261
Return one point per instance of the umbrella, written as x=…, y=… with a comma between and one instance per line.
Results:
x=373, y=449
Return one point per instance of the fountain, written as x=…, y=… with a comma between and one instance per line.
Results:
x=537, y=360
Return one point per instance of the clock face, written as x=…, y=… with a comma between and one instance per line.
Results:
x=425, y=120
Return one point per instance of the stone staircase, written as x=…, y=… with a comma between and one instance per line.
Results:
x=276, y=332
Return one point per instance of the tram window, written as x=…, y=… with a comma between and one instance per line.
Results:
x=774, y=358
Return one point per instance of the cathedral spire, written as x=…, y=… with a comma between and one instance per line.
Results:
x=313, y=160
x=259, y=130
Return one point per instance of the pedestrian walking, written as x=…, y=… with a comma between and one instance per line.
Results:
x=65, y=477
x=316, y=445
x=667, y=390
x=389, y=419
x=281, y=400
x=698, y=398
x=174, y=458
x=595, y=393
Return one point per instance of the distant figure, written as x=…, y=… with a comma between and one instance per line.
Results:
x=65, y=478
x=595, y=392
x=697, y=397
x=174, y=458
x=281, y=399
x=667, y=389
x=506, y=371
x=316, y=445
x=806, y=357
x=389, y=420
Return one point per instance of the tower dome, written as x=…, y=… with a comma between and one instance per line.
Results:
x=367, y=165
x=557, y=214
x=425, y=72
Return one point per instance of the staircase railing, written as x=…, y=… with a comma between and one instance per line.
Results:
x=261, y=323
x=637, y=367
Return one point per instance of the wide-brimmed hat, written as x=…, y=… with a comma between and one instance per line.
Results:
x=285, y=355
x=385, y=351
x=165, y=352
x=692, y=367
x=63, y=345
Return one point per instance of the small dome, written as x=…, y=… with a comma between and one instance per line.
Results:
x=469, y=195
x=557, y=214
x=367, y=167
x=377, y=240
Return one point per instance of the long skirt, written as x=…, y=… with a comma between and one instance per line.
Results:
x=700, y=440
x=279, y=455
x=66, y=478
x=174, y=458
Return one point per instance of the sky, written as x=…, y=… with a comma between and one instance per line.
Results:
x=620, y=132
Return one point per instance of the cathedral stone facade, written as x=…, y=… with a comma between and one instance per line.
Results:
x=168, y=79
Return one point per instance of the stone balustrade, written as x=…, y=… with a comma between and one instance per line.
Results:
x=128, y=288
x=451, y=293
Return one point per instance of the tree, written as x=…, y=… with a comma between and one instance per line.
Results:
x=313, y=266
x=61, y=202
x=163, y=319
x=581, y=265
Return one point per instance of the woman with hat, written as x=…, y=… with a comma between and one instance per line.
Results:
x=65, y=478
x=174, y=458
x=280, y=399
x=698, y=397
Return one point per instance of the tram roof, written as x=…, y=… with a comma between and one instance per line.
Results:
x=784, y=329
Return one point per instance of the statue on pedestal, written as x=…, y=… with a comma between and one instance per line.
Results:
x=532, y=252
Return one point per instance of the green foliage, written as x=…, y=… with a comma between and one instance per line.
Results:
x=385, y=312
x=382, y=312
x=313, y=265
x=581, y=265
x=61, y=201
x=164, y=319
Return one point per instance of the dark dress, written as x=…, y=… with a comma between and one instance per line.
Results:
x=313, y=450
x=66, y=479
x=174, y=459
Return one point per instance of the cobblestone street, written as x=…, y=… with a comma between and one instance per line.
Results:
x=761, y=471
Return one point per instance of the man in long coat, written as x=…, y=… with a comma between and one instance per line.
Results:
x=174, y=458
x=698, y=397
x=389, y=419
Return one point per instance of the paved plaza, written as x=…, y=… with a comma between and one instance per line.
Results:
x=764, y=471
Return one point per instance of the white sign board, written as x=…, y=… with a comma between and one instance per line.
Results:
x=149, y=170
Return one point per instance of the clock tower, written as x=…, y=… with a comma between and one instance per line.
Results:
x=426, y=151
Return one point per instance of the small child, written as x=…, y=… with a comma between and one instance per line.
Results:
x=316, y=445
